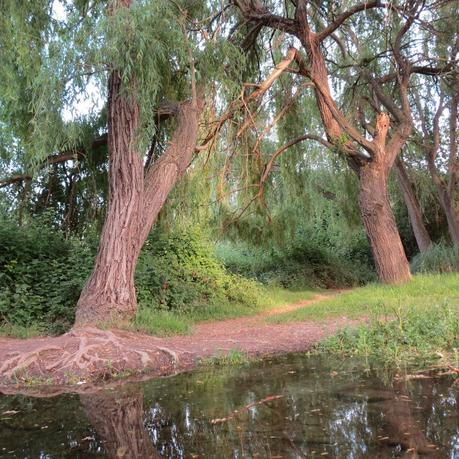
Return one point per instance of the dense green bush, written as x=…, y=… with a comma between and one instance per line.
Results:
x=302, y=263
x=41, y=275
x=438, y=259
x=180, y=272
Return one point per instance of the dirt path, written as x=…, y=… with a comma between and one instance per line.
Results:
x=91, y=355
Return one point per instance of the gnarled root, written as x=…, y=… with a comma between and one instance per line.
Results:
x=86, y=352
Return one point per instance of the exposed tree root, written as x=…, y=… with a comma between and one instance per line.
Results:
x=87, y=351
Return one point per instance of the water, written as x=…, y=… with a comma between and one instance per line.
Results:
x=327, y=409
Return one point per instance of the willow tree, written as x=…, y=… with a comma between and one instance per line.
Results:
x=324, y=30
x=144, y=62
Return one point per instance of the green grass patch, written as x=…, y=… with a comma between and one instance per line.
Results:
x=20, y=331
x=413, y=337
x=230, y=358
x=422, y=293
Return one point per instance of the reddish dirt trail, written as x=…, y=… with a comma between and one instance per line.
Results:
x=90, y=354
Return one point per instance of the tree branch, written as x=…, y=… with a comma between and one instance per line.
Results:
x=347, y=14
x=67, y=155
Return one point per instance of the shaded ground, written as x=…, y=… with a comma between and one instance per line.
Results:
x=90, y=355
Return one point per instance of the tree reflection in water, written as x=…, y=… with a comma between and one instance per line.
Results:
x=118, y=420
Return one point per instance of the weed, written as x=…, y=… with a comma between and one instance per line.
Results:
x=230, y=358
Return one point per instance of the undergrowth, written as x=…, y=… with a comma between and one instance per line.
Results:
x=438, y=259
x=299, y=265
x=179, y=281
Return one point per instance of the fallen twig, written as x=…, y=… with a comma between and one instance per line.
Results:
x=245, y=408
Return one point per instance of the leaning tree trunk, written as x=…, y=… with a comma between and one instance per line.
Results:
x=134, y=200
x=388, y=252
x=446, y=203
x=414, y=210
x=452, y=217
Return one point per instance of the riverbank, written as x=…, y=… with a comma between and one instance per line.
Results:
x=94, y=356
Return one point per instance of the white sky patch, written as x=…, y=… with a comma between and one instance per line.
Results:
x=88, y=103
x=91, y=101
x=58, y=11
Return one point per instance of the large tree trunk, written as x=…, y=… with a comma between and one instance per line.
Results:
x=134, y=204
x=414, y=210
x=134, y=200
x=109, y=292
x=388, y=252
x=390, y=259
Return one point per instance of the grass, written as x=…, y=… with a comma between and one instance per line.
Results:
x=20, y=331
x=423, y=292
x=230, y=358
x=413, y=323
x=167, y=323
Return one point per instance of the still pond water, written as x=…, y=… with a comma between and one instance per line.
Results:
x=291, y=407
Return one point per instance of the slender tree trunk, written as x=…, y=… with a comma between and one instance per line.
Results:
x=414, y=210
x=446, y=188
x=388, y=252
x=452, y=216
x=446, y=203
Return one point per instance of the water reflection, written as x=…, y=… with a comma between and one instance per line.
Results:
x=118, y=421
x=327, y=409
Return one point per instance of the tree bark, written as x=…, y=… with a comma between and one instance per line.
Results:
x=388, y=252
x=110, y=289
x=414, y=210
x=452, y=217
x=446, y=189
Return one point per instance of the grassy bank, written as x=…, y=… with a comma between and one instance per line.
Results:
x=417, y=321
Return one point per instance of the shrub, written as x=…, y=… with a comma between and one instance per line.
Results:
x=41, y=276
x=301, y=264
x=438, y=259
x=179, y=272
